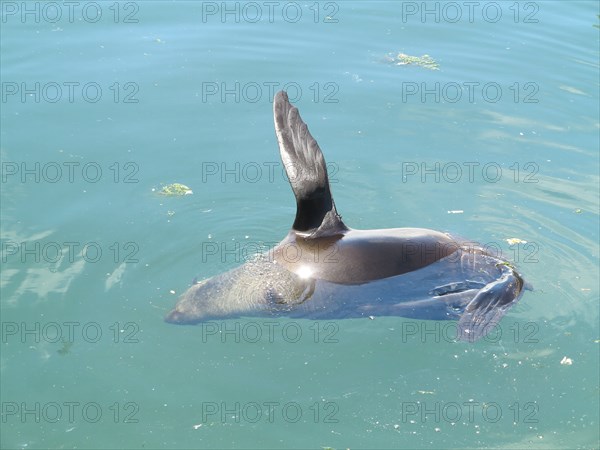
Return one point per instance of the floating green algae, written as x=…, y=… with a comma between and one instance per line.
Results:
x=175, y=189
x=66, y=347
x=402, y=59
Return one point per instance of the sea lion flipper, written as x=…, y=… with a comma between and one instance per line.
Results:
x=305, y=166
x=483, y=313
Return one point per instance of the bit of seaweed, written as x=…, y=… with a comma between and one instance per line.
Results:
x=175, y=189
x=66, y=347
x=402, y=59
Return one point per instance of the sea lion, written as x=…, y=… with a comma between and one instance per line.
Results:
x=325, y=270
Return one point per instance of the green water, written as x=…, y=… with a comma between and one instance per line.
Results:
x=151, y=93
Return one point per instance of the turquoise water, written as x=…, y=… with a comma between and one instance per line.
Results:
x=152, y=93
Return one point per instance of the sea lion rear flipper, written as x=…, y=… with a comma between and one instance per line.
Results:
x=490, y=304
x=305, y=166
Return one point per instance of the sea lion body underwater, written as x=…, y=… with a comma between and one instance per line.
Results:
x=325, y=270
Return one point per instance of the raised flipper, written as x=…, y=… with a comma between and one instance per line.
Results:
x=305, y=166
x=484, y=312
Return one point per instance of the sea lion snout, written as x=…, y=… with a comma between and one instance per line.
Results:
x=173, y=317
x=179, y=317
